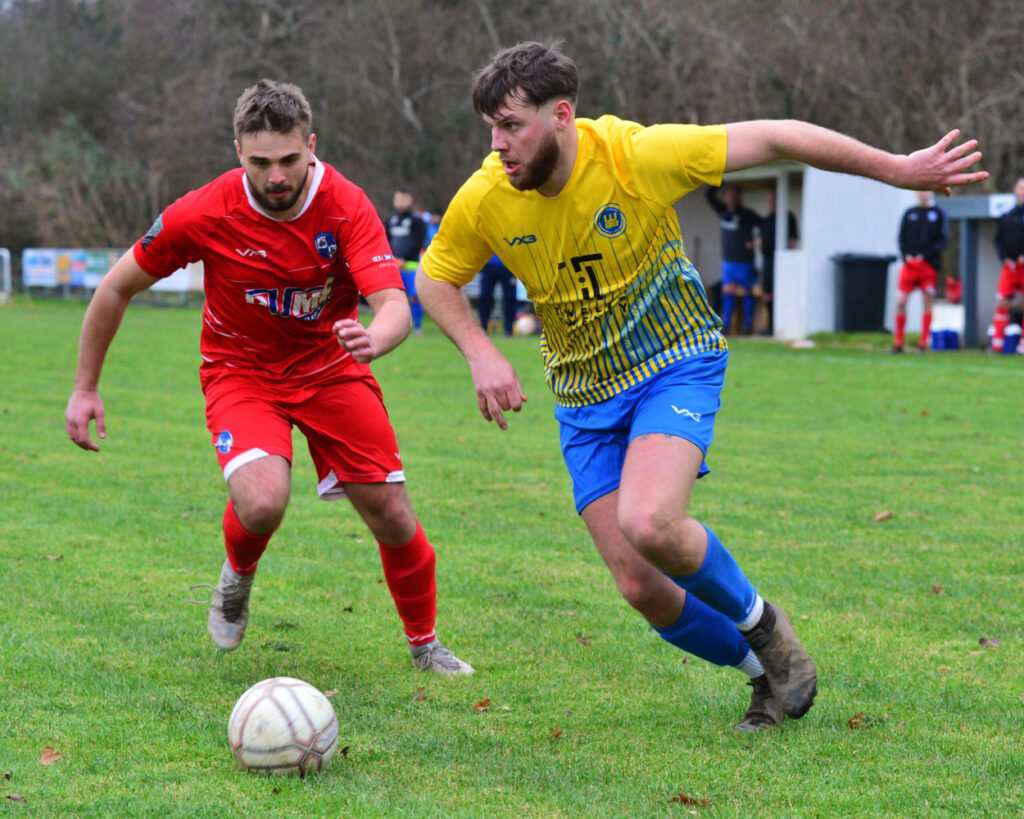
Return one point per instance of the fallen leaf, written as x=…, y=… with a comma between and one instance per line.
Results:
x=348, y=608
x=419, y=694
x=683, y=799
x=584, y=639
x=556, y=733
x=344, y=751
x=884, y=515
x=276, y=790
x=49, y=756
x=856, y=721
x=55, y=557
x=15, y=797
x=985, y=642
x=7, y=775
x=944, y=669
x=483, y=705
x=937, y=589
x=331, y=693
x=685, y=661
x=925, y=413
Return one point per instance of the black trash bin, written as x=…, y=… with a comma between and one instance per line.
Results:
x=860, y=291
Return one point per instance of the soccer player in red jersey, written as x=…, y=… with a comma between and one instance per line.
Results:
x=1010, y=247
x=288, y=244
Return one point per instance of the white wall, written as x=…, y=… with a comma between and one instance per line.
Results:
x=845, y=214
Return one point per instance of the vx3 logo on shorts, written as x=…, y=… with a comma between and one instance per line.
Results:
x=694, y=415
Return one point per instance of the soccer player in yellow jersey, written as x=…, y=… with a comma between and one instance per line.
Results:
x=582, y=212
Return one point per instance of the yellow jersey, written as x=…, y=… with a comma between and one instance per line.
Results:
x=602, y=261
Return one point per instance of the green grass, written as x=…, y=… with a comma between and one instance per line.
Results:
x=103, y=659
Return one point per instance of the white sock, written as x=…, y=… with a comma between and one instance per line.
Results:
x=753, y=615
x=750, y=665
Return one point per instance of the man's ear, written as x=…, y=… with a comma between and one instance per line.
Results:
x=563, y=114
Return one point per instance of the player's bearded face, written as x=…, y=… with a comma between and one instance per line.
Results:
x=538, y=169
x=277, y=169
x=278, y=196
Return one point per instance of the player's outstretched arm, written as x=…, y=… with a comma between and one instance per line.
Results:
x=390, y=326
x=494, y=379
x=938, y=167
x=99, y=327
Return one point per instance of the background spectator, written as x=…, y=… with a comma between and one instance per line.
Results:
x=407, y=234
x=494, y=273
x=738, y=225
x=924, y=234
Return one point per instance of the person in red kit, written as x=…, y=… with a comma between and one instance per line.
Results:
x=924, y=234
x=1010, y=247
x=288, y=244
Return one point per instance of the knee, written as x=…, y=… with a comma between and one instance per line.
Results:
x=261, y=513
x=640, y=592
x=389, y=516
x=646, y=529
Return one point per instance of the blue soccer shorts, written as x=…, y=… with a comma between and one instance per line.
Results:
x=743, y=274
x=680, y=400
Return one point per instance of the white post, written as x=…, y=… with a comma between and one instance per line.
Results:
x=5, y=275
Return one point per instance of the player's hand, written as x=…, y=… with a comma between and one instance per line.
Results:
x=939, y=167
x=83, y=406
x=497, y=387
x=356, y=339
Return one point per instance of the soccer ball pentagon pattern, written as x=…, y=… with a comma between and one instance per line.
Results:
x=283, y=726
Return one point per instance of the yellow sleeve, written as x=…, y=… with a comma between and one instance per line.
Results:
x=666, y=162
x=458, y=252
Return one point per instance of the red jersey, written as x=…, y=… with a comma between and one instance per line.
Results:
x=274, y=288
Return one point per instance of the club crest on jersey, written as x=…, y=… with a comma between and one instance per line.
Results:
x=154, y=229
x=610, y=221
x=326, y=245
x=224, y=442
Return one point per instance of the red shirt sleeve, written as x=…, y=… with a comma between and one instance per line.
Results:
x=366, y=250
x=167, y=245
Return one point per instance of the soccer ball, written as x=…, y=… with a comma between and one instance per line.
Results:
x=525, y=325
x=283, y=726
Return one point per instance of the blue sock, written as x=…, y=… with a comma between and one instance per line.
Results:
x=728, y=306
x=748, y=311
x=720, y=582
x=703, y=632
x=417, y=314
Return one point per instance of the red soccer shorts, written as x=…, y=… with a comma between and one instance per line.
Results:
x=1011, y=280
x=347, y=428
x=917, y=274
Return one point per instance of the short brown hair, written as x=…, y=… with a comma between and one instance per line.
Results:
x=532, y=72
x=272, y=106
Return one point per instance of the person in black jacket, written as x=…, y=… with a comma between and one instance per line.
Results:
x=924, y=234
x=407, y=234
x=1010, y=247
x=738, y=224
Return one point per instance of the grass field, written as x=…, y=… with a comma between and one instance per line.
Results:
x=105, y=662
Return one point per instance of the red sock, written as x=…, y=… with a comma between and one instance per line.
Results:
x=244, y=548
x=409, y=571
x=926, y=326
x=901, y=324
x=999, y=322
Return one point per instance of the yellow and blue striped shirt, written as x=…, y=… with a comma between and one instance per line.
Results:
x=602, y=261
